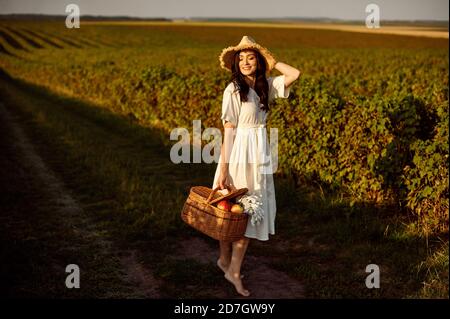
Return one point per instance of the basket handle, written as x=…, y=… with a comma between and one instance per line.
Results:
x=214, y=191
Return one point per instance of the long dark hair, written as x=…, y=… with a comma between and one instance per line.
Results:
x=261, y=84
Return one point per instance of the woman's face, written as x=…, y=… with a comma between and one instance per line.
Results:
x=247, y=62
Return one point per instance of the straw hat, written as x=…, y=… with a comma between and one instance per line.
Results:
x=226, y=57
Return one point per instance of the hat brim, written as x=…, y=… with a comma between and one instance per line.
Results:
x=227, y=55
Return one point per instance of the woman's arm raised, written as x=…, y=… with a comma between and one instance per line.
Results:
x=290, y=73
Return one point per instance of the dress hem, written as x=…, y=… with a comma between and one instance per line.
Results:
x=252, y=237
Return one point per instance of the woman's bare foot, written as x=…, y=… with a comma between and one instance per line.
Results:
x=236, y=281
x=224, y=268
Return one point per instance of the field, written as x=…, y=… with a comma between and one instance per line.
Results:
x=87, y=178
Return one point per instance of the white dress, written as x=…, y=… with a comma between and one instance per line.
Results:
x=248, y=165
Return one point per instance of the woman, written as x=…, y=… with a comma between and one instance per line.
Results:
x=241, y=163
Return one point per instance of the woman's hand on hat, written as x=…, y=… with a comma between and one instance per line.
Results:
x=290, y=73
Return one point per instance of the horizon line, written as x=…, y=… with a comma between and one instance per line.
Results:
x=213, y=17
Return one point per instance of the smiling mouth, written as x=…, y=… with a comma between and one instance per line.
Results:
x=246, y=68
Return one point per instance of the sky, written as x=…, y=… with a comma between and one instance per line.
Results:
x=334, y=9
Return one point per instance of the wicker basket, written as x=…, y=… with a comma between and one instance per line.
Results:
x=200, y=213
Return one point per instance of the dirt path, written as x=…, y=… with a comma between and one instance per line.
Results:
x=262, y=280
x=55, y=197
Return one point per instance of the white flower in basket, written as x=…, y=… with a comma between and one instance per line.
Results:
x=253, y=207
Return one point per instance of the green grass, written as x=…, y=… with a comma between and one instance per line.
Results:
x=435, y=268
x=327, y=244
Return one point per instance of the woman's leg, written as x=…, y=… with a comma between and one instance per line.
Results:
x=233, y=274
x=225, y=255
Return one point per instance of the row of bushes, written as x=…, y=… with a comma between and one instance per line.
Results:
x=375, y=149
x=377, y=134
